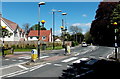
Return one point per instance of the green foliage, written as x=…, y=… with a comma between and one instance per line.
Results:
x=74, y=43
x=22, y=50
x=88, y=38
x=5, y=33
x=73, y=37
x=115, y=16
x=101, y=29
x=35, y=27
x=26, y=46
x=0, y=31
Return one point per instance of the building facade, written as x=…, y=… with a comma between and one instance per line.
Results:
x=45, y=35
x=18, y=34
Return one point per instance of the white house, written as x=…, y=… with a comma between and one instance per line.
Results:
x=45, y=35
x=18, y=34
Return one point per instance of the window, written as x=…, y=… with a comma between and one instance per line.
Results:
x=43, y=37
x=16, y=34
x=31, y=37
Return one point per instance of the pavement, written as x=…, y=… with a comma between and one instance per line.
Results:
x=112, y=57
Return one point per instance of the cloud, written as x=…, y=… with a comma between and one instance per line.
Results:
x=84, y=15
x=82, y=24
x=83, y=32
x=58, y=32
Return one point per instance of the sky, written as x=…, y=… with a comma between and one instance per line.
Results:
x=79, y=14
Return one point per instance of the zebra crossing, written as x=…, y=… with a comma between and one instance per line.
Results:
x=78, y=59
x=74, y=60
x=23, y=58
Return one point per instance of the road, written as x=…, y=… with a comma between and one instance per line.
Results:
x=58, y=62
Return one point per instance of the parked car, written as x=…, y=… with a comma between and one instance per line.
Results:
x=84, y=44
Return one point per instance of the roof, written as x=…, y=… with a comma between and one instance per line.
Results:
x=42, y=33
x=21, y=30
x=10, y=23
x=46, y=33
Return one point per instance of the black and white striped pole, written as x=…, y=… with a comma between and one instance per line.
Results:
x=116, y=46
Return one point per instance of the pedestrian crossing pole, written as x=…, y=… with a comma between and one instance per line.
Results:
x=116, y=46
x=39, y=4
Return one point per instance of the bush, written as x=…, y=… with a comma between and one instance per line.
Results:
x=27, y=46
x=74, y=43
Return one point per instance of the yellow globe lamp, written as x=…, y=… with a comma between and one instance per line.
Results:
x=61, y=27
x=3, y=27
x=115, y=23
x=43, y=21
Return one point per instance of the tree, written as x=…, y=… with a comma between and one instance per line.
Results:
x=80, y=37
x=35, y=27
x=75, y=30
x=0, y=31
x=88, y=37
x=26, y=27
x=5, y=33
x=101, y=30
x=115, y=17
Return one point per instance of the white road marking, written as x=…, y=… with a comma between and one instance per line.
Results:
x=24, y=71
x=8, y=66
x=17, y=74
x=20, y=60
x=92, y=56
x=77, y=54
x=48, y=63
x=7, y=59
x=102, y=57
x=29, y=57
x=36, y=67
x=44, y=57
x=68, y=66
x=14, y=60
x=78, y=61
x=57, y=64
x=12, y=73
x=24, y=57
x=108, y=56
x=70, y=59
x=23, y=67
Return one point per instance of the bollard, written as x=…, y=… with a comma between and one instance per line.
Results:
x=34, y=55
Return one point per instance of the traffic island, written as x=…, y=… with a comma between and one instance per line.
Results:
x=37, y=62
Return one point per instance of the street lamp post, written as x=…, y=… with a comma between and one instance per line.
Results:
x=53, y=12
x=116, y=46
x=3, y=35
x=64, y=29
x=53, y=28
x=41, y=3
x=64, y=21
